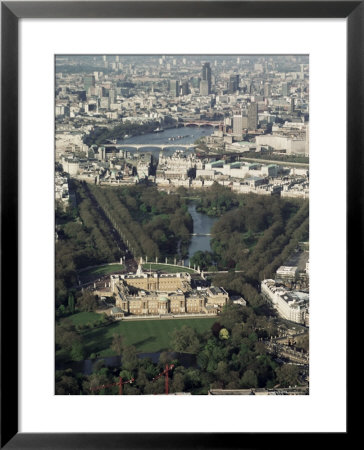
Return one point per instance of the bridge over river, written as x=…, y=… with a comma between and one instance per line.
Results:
x=137, y=147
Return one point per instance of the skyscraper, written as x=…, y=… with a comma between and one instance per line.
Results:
x=238, y=125
x=292, y=106
x=206, y=76
x=204, y=87
x=253, y=116
x=233, y=83
x=267, y=90
x=174, y=87
x=88, y=81
x=285, y=89
x=184, y=88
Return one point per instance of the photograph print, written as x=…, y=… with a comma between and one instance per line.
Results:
x=181, y=224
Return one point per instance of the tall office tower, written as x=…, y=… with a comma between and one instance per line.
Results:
x=204, y=87
x=233, y=85
x=112, y=95
x=88, y=81
x=253, y=116
x=206, y=76
x=195, y=81
x=292, y=106
x=184, y=88
x=267, y=90
x=238, y=125
x=249, y=87
x=174, y=87
x=285, y=89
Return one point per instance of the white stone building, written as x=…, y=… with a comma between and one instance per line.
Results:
x=290, y=305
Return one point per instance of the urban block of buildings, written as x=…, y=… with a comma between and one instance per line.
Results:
x=254, y=104
x=290, y=305
x=289, y=292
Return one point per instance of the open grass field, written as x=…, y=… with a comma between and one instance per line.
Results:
x=83, y=318
x=166, y=268
x=145, y=335
x=96, y=272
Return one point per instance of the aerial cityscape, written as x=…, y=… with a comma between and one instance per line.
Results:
x=182, y=224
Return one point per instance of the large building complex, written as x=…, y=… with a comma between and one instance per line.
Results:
x=161, y=294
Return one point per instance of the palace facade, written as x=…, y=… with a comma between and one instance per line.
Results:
x=161, y=294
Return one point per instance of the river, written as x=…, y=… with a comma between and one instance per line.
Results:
x=186, y=135
x=201, y=225
x=170, y=136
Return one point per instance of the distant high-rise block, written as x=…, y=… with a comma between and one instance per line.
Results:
x=184, y=88
x=88, y=81
x=174, y=87
x=195, y=82
x=267, y=90
x=206, y=76
x=253, y=116
x=204, y=87
x=233, y=83
x=238, y=125
x=292, y=105
x=285, y=89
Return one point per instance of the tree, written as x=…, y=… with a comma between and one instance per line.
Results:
x=185, y=339
x=66, y=336
x=232, y=314
x=117, y=344
x=222, y=371
x=178, y=384
x=204, y=259
x=78, y=352
x=215, y=329
x=129, y=359
x=249, y=379
x=237, y=334
x=224, y=334
x=155, y=387
x=192, y=379
x=87, y=302
x=165, y=358
x=71, y=303
x=66, y=383
x=287, y=375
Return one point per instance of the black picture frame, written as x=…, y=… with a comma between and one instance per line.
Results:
x=11, y=12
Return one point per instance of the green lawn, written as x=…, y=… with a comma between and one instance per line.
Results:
x=82, y=318
x=96, y=272
x=166, y=268
x=145, y=335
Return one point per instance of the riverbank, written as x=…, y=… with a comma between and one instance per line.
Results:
x=101, y=135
